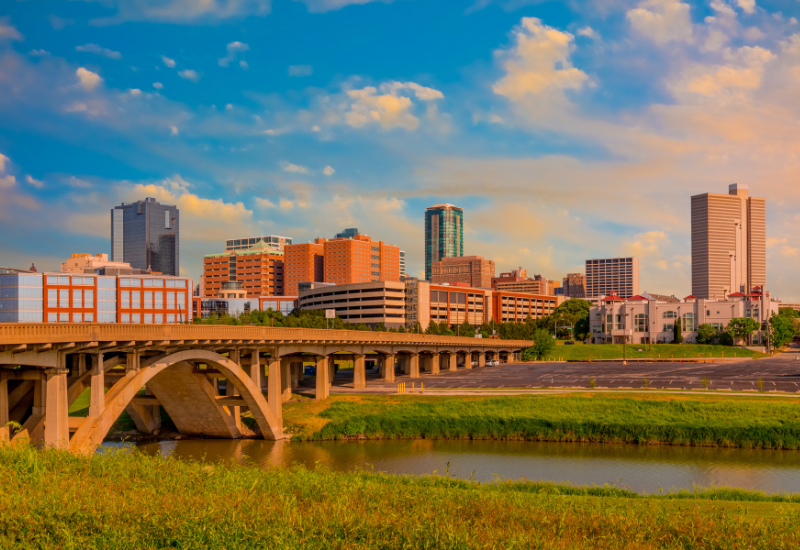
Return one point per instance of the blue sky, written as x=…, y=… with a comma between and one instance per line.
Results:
x=567, y=130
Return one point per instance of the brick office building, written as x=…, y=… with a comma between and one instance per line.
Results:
x=259, y=269
x=474, y=271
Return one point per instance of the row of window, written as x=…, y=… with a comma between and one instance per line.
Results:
x=59, y=298
x=158, y=283
x=131, y=299
x=64, y=280
x=147, y=318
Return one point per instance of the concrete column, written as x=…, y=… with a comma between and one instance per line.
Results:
x=301, y=372
x=155, y=413
x=274, y=388
x=382, y=366
x=132, y=364
x=286, y=380
x=359, y=373
x=293, y=372
x=56, y=419
x=4, y=408
x=414, y=360
x=255, y=369
x=453, y=362
x=323, y=365
x=481, y=359
x=81, y=363
x=230, y=391
x=388, y=368
x=406, y=363
x=98, y=391
x=468, y=360
x=435, y=363
x=332, y=368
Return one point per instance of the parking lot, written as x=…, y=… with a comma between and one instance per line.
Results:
x=779, y=373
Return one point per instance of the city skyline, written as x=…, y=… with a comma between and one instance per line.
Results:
x=250, y=131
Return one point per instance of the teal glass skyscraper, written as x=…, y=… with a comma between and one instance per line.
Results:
x=444, y=234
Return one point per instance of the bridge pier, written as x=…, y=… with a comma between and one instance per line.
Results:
x=56, y=421
x=324, y=364
x=286, y=381
x=388, y=368
x=435, y=363
x=453, y=362
x=481, y=359
x=359, y=372
x=274, y=387
x=468, y=360
x=414, y=365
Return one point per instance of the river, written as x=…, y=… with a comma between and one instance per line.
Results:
x=644, y=469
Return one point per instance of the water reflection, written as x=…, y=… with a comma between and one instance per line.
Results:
x=640, y=468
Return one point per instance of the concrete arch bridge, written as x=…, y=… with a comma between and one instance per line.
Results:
x=44, y=368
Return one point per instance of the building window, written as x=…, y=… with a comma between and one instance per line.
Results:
x=136, y=318
x=88, y=317
x=158, y=318
x=159, y=300
x=669, y=327
x=170, y=318
x=63, y=298
x=63, y=317
x=136, y=300
x=641, y=322
x=688, y=322
x=126, y=317
x=52, y=317
x=126, y=299
x=670, y=315
x=148, y=318
x=88, y=299
x=52, y=297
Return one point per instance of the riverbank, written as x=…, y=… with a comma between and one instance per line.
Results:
x=707, y=420
x=597, y=352
x=123, y=499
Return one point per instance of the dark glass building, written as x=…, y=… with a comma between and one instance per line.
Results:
x=146, y=235
x=444, y=234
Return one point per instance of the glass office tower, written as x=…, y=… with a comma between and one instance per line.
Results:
x=444, y=234
x=146, y=235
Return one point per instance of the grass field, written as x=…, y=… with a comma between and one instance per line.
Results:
x=585, y=352
x=643, y=419
x=126, y=500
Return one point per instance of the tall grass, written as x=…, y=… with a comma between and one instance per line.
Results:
x=125, y=500
x=712, y=421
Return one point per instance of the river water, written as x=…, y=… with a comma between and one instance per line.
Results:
x=644, y=469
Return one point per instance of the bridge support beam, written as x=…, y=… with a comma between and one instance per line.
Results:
x=453, y=358
x=481, y=359
x=435, y=363
x=414, y=365
x=56, y=421
x=98, y=392
x=388, y=368
x=286, y=379
x=324, y=364
x=359, y=373
x=274, y=388
x=256, y=374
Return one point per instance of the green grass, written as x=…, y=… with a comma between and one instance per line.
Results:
x=747, y=422
x=585, y=352
x=126, y=500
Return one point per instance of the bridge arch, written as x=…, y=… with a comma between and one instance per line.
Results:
x=189, y=399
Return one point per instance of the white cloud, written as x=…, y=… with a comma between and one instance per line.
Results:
x=8, y=31
x=788, y=251
x=174, y=130
x=189, y=74
x=168, y=62
x=7, y=182
x=158, y=85
x=243, y=64
x=233, y=49
x=295, y=168
x=388, y=105
x=743, y=72
x=328, y=171
x=3, y=160
x=59, y=23
x=286, y=204
x=264, y=203
x=95, y=49
x=300, y=70
x=87, y=79
x=33, y=181
x=39, y=53
x=772, y=241
x=646, y=244
x=135, y=92
x=181, y=11
x=663, y=21
x=77, y=183
x=322, y=6
x=748, y=6
x=539, y=62
x=589, y=32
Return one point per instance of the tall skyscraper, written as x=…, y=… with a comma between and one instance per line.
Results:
x=146, y=235
x=620, y=275
x=575, y=285
x=444, y=234
x=729, y=243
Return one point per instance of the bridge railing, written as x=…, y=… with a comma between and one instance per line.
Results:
x=41, y=333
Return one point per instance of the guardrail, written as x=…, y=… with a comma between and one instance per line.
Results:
x=39, y=333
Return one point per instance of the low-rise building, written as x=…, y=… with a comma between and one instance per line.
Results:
x=259, y=269
x=639, y=320
x=369, y=303
x=574, y=285
x=205, y=307
x=88, y=263
x=274, y=241
x=91, y=298
x=473, y=271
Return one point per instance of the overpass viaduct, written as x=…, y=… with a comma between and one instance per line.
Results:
x=44, y=368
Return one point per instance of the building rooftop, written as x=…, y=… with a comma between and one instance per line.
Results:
x=444, y=205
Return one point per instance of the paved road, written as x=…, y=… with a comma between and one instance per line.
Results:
x=779, y=373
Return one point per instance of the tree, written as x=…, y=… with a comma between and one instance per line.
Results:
x=465, y=329
x=789, y=312
x=542, y=344
x=706, y=334
x=380, y=327
x=433, y=328
x=677, y=333
x=741, y=328
x=781, y=330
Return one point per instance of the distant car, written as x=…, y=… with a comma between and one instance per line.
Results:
x=569, y=343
